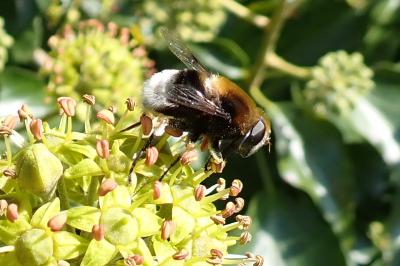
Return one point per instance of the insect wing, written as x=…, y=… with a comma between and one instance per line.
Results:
x=180, y=50
x=187, y=96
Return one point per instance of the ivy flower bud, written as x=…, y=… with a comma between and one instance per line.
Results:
x=3, y=207
x=67, y=104
x=112, y=109
x=139, y=51
x=239, y=204
x=250, y=255
x=89, y=99
x=57, y=222
x=188, y=157
x=199, y=192
x=167, y=229
x=259, y=261
x=107, y=186
x=10, y=122
x=38, y=170
x=229, y=210
x=124, y=36
x=12, y=212
x=221, y=184
x=157, y=190
x=130, y=104
x=337, y=82
x=103, y=149
x=107, y=116
x=37, y=128
x=5, y=131
x=180, y=255
x=24, y=112
x=147, y=125
x=214, y=261
x=112, y=29
x=9, y=173
x=244, y=220
x=218, y=219
x=217, y=166
x=8, y=125
x=151, y=156
x=236, y=187
x=196, y=21
x=98, y=232
x=216, y=253
x=245, y=238
x=133, y=260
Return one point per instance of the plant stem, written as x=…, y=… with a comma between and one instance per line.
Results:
x=275, y=61
x=265, y=173
x=267, y=56
x=62, y=194
x=268, y=44
x=88, y=128
x=92, y=192
x=245, y=13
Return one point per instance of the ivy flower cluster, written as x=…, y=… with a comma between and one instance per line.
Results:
x=337, y=82
x=66, y=200
x=104, y=61
x=198, y=20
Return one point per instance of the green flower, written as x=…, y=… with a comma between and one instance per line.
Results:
x=98, y=217
x=337, y=82
x=197, y=20
x=103, y=61
x=30, y=241
x=38, y=170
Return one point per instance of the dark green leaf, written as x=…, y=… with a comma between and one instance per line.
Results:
x=27, y=42
x=288, y=231
x=19, y=86
x=311, y=157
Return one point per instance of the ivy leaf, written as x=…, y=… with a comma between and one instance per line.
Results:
x=20, y=86
x=288, y=230
x=311, y=157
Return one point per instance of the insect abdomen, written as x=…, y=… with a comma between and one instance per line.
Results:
x=154, y=90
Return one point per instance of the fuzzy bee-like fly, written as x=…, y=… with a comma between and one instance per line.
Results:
x=206, y=105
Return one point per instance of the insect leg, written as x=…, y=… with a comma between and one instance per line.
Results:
x=170, y=167
x=146, y=145
x=218, y=152
x=131, y=127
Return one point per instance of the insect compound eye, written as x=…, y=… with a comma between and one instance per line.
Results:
x=253, y=140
